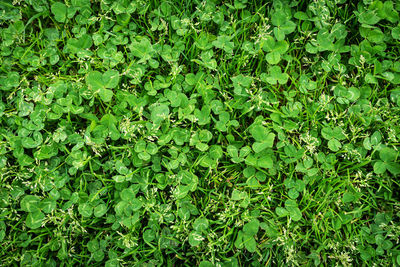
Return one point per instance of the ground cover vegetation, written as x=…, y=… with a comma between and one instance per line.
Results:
x=188, y=132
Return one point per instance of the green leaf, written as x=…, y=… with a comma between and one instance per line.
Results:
x=294, y=211
x=258, y=147
x=232, y=151
x=159, y=113
x=34, y=219
x=249, y=243
x=369, y=17
x=32, y=142
x=393, y=168
x=259, y=132
x=348, y=197
x=376, y=138
x=143, y=50
x=279, y=17
x=224, y=42
x=239, y=240
x=375, y=36
x=48, y=205
x=273, y=57
x=110, y=78
x=85, y=209
x=95, y=80
x=367, y=143
x=388, y=154
x=60, y=11
x=195, y=239
x=334, y=145
x=106, y=95
x=281, y=212
x=200, y=224
x=30, y=203
x=353, y=94
x=149, y=235
x=251, y=228
x=238, y=195
x=100, y=82
x=127, y=194
x=265, y=162
x=379, y=167
x=279, y=33
x=387, y=244
x=263, y=137
x=275, y=76
x=109, y=121
x=396, y=32
x=100, y=210
x=93, y=245
x=293, y=193
x=181, y=191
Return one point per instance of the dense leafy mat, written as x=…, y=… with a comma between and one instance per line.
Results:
x=211, y=133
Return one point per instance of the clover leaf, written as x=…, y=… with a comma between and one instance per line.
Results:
x=264, y=139
x=388, y=157
x=275, y=76
x=224, y=42
x=284, y=25
x=34, y=219
x=142, y=49
x=346, y=95
x=159, y=113
x=102, y=83
x=246, y=237
x=240, y=83
x=60, y=11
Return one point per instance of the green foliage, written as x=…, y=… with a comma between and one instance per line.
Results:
x=199, y=133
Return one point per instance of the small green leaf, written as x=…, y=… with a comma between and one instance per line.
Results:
x=30, y=203
x=379, y=167
x=293, y=193
x=85, y=209
x=95, y=80
x=281, y=212
x=34, y=219
x=110, y=78
x=100, y=210
x=100, y=82
x=388, y=154
x=265, y=162
x=48, y=205
x=334, y=145
x=393, y=168
x=200, y=224
x=93, y=245
x=249, y=243
x=195, y=239
x=127, y=194
x=159, y=113
x=149, y=235
x=294, y=211
x=273, y=57
x=251, y=228
x=60, y=11
x=376, y=138
x=348, y=197
x=106, y=94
